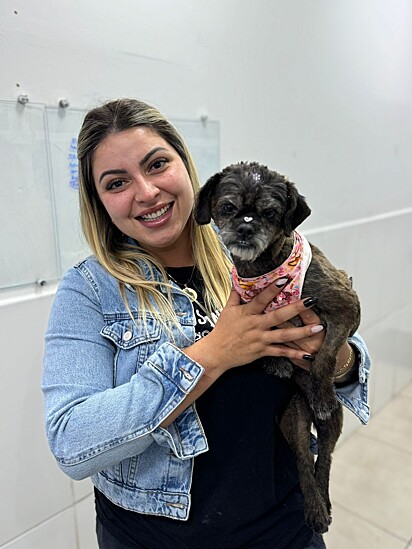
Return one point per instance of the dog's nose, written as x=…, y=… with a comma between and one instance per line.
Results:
x=245, y=230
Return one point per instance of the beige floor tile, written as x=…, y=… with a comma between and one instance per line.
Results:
x=393, y=425
x=407, y=391
x=349, y=531
x=374, y=481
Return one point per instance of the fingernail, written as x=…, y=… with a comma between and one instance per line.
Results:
x=309, y=301
x=281, y=282
x=317, y=328
x=309, y=358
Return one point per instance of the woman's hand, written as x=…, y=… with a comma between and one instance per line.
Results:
x=310, y=345
x=244, y=333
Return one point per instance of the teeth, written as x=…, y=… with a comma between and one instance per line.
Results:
x=156, y=215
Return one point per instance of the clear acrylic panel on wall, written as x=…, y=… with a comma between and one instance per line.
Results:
x=63, y=128
x=41, y=234
x=27, y=244
x=203, y=140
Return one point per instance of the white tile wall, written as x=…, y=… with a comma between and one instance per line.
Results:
x=402, y=347
x=81, y=489
x=85, y=519
x=39, y=506
x=57, y=532
x=33, y=488
x=379, y=257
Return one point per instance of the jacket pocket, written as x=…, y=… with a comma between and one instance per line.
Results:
x=134, y=342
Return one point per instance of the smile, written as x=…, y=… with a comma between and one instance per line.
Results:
x=155, y=215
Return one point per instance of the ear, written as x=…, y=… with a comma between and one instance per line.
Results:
x=297, y=209
x=203, y=203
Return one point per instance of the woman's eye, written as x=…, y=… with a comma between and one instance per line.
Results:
x=158, y=164
x=115, y=184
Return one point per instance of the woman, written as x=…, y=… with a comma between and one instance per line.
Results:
x=149, y=325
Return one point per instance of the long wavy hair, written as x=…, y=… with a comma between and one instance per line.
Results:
x=122, y=259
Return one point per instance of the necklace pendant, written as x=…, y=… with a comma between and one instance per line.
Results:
x=190, y=292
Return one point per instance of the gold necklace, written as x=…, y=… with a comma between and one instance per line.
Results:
x=187, y=290
x=193, y=295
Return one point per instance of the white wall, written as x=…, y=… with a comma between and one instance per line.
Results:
x=321, y=91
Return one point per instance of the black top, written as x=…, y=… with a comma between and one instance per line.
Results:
x=245, y=490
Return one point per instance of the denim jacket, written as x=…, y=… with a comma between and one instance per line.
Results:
x=109, y=382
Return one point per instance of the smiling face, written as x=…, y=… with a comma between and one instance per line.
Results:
x=146, y=190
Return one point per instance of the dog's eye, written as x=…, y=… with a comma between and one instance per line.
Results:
x=227, y=208
x=270, y=214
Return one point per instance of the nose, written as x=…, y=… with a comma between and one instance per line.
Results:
x=245, y=231
x=145, y=190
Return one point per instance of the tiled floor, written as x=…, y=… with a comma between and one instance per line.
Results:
x=371, y=482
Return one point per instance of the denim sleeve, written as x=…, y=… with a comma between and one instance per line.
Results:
x=91, y=424
x=355, y=395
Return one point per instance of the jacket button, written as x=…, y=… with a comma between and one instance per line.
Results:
x=127, y=336
x=186, y=374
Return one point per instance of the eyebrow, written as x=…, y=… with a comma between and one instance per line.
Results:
x=142, y=161
x=111, y=172
x=150, y=154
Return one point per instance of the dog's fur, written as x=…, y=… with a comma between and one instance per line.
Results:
x=276, y=208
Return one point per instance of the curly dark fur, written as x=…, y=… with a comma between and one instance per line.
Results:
x=276, y=208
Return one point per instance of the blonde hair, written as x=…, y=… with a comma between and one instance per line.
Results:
x=114, y=253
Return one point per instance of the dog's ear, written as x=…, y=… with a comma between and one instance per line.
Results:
x=203, y=203
x=297, y=209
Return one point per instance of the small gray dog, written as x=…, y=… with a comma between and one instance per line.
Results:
x=257, y=211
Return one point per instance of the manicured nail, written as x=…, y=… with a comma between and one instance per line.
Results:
x=309, y=358
x=280, y=282
x=317, y=328
x=309, y=301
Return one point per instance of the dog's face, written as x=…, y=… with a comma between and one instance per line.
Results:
x=252, y=206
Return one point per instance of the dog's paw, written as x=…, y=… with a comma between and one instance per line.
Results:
x=318, y=517
x=280, y=367
x=323, y=411
x=323, y=403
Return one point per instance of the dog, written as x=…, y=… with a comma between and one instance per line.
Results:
x=257, y=211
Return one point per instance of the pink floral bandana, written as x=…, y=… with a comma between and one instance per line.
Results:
x=294, y=268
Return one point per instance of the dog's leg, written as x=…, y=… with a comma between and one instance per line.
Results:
x=295, y=425
x=321, y=390
x=328, y=433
